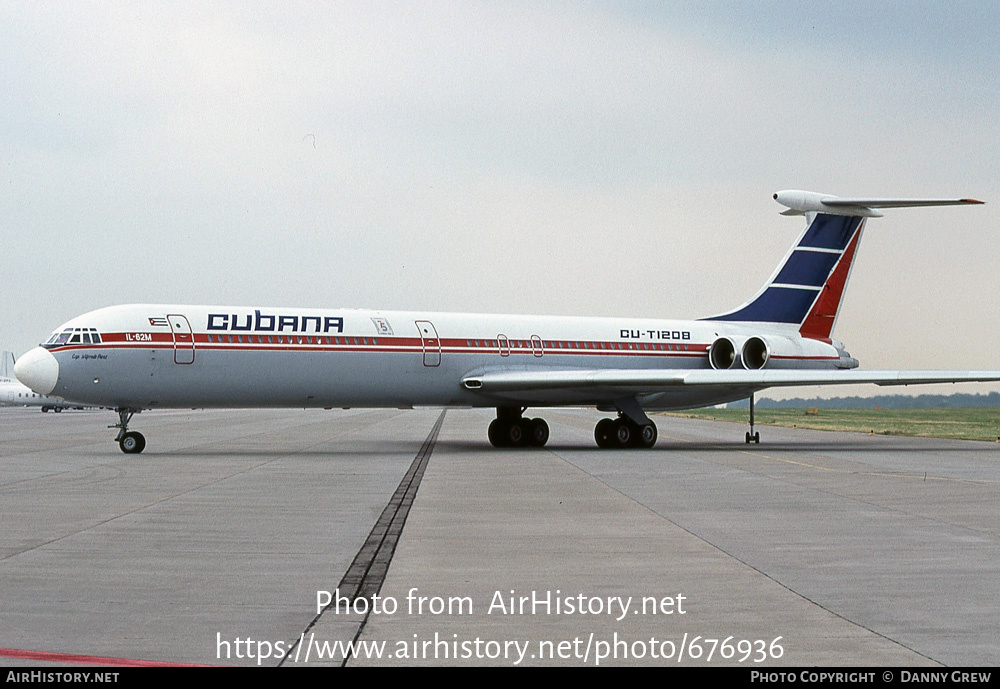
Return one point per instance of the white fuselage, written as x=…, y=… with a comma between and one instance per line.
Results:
x=158, y=356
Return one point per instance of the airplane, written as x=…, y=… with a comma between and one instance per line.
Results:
x=15, y=394
x=143, y=356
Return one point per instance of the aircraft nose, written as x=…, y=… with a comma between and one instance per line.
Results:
x=38, y=369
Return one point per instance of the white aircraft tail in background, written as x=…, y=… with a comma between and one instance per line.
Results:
x=142, y=356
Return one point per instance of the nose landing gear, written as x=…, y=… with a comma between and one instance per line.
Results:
x=130, y=442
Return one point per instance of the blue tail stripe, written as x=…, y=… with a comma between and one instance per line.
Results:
x=830, y=232
x=809, y=263
x=775, y=305
x=807, y=268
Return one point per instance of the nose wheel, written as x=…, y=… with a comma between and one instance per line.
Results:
x=130, y=442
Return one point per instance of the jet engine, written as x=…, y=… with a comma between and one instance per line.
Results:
x=755, y=353
x=777, y=351
x=722, y=353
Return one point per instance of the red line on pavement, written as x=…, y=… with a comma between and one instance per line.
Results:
x=50, y=657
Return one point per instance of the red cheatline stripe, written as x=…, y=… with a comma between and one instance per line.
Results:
x=88, y=660
x=629, y=349
x=389, y=346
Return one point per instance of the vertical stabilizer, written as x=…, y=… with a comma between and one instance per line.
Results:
x=807, y=289
x=6, y=364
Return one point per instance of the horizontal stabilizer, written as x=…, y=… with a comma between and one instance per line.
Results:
x=899, y=203
x=802, y=202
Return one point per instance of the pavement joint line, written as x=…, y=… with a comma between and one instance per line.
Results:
x=737, y=558
x=366, y=574
x=924, y=477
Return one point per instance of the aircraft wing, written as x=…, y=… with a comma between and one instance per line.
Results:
x=656, y=380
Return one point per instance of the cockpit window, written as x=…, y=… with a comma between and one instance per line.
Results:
x=73, y=336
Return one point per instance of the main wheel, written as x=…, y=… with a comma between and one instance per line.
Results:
x=603, y=433
x=517, y=433
x=132, y=443
x=623, y=433
x=496, y=433
x=647, y=435
x=539, y=432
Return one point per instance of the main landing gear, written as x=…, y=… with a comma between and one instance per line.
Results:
x=632, y=428
x=510, y=429
x=131, y=442
x=624, y=432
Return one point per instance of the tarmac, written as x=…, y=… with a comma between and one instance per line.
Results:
x=227, y=541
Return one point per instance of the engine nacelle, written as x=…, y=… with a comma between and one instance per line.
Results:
x=778, y=351
x=722, y=353
x=755, y=353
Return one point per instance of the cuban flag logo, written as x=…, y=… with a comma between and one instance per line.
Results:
x=158, y=321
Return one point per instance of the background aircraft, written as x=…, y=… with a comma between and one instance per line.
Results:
x=142, y=356
x=15, y=394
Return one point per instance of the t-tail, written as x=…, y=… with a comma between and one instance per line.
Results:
x=7, y=365
x=807, y=289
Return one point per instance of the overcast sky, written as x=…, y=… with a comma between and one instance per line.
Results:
x=537, y=157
